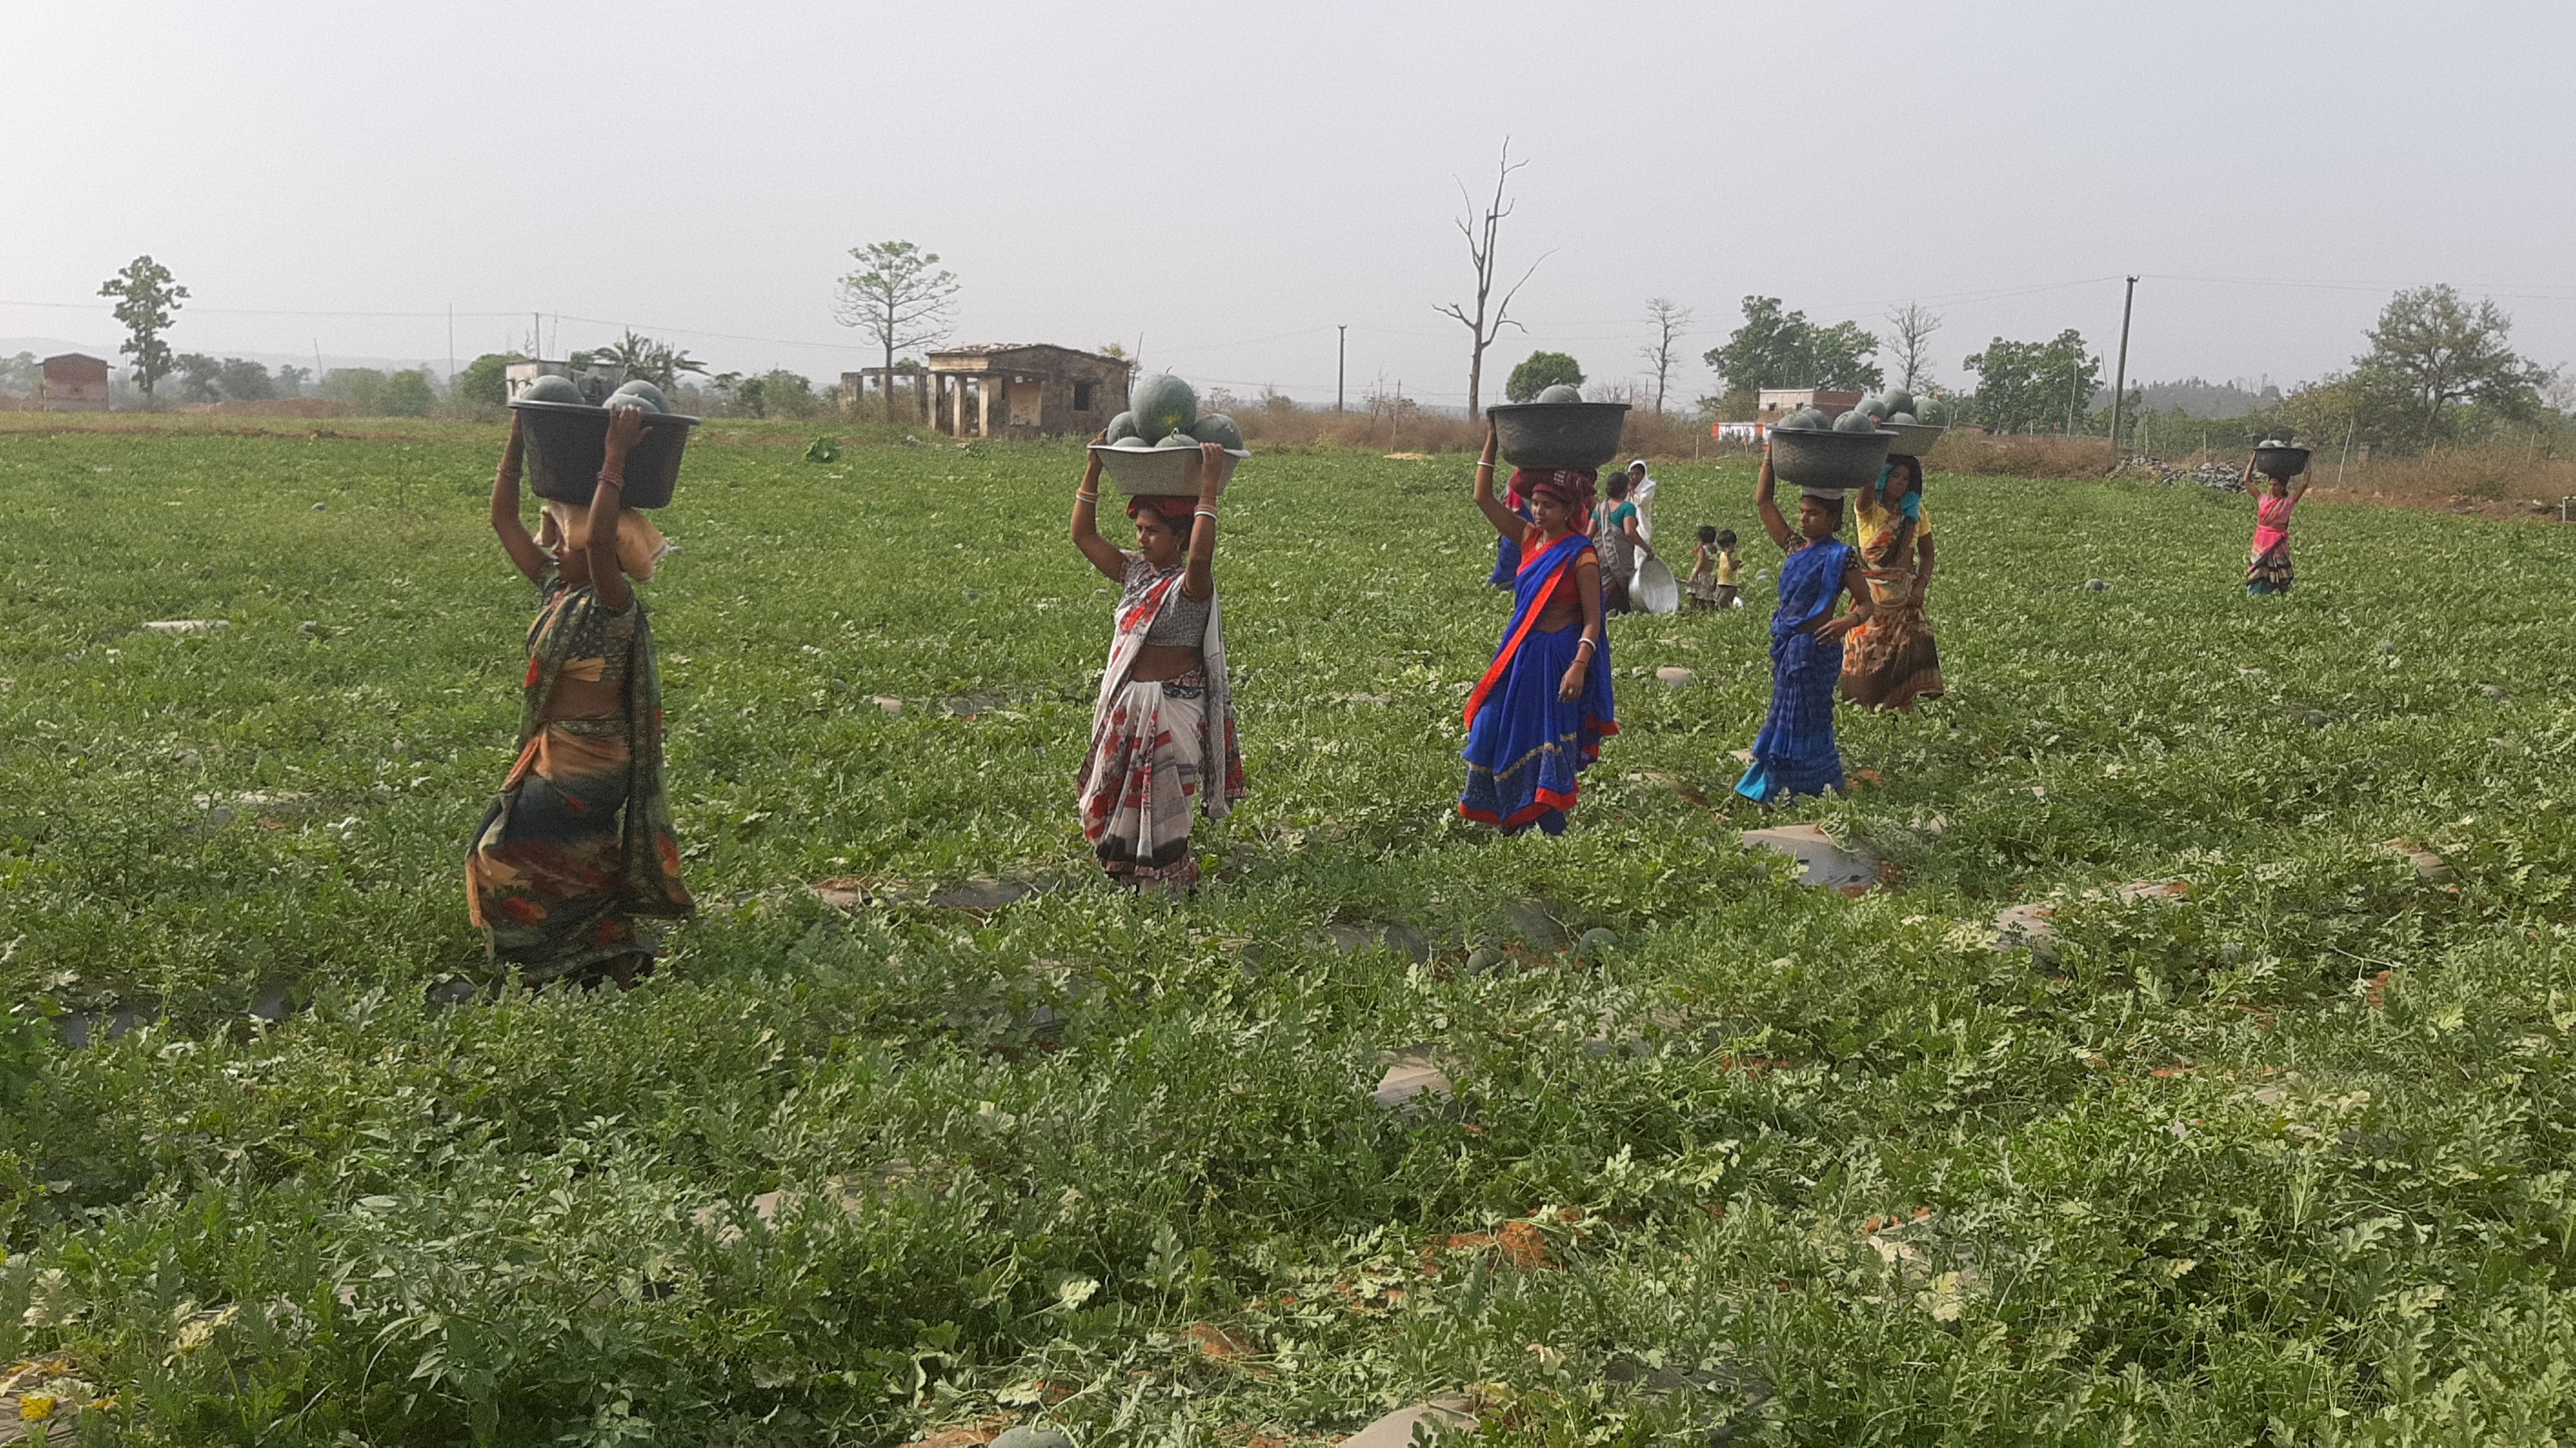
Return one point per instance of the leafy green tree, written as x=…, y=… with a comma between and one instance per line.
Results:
x=1541, y=371
x=2030, y=386
x=20, y=375
x=290, y=381
x=362, y=388
x=1777, y=348
x=409, y=394
x=789, y=394
x=485, y=382
x=898, y=300
x=2432, y=356
x=245, y=381
x=148, y=299
x=200, y=377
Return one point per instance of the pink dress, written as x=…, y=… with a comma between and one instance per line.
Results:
x=2267, y=567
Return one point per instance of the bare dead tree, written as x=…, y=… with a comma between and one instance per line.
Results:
x=1670, y=320
x=1481, y=233
x=1910, y=343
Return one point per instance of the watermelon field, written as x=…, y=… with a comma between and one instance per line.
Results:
x=921, y=1131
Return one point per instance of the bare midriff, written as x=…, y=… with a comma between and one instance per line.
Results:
x=1562, y=615
x=1157, y=662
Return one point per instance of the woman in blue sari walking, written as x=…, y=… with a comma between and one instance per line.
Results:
x=1539, y=714
x=1795, y=753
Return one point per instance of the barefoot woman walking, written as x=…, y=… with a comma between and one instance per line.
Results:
x=1538, y=716
x=2267, y=567
x=1795, y=752
x=1162, y=734
x=578, y=847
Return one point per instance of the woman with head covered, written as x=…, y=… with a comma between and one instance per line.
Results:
x=578, y=847
x=1163, y=743
x=1539, y=714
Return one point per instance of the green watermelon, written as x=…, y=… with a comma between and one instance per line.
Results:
x=1900, y=419
x=1161, y=404
x=1218, y=428
x=1560, y=392
x=1033, y=1435
x=1134, y=440
x=551, y=388
x=1121, y=427
x=1876, y=407
x=1855, y=421
x=640, y=393
x=1933, y=412
x=1177, y=439
x=1898, y=400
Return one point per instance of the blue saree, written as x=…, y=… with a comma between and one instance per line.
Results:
x=1795, y=752
x=1525, y=747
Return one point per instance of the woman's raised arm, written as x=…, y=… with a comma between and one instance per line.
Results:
x=1104, y=555
x=1763, y=484
x=1506, y=522
x=607, y=501
x=1199, y=578
x=523, y=550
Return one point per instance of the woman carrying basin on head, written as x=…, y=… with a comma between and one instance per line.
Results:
x=2267, y=567
x=1795, y=752
x=1538, y=716
x=1162, y=733
x=578, y=847
x=1891, y=661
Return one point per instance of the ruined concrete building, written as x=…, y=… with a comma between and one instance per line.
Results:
x=1004, y=389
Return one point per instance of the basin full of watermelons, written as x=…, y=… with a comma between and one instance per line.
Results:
x=1810, y=453
x=1154, y=448
x=1916, y=427
x=565, y=443
x=2280, y=460
x=1559, y=430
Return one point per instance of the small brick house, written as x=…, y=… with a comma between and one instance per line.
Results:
x=72, y=382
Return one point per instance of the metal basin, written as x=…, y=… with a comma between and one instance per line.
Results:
x=1913, y=439
x=1816, y=458
x=1155, y=472
x=2284, y=463
x=1559, y=434
x=567, y=441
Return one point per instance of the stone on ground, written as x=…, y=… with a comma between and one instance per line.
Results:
x=1821, y=862
x=1447, y=1412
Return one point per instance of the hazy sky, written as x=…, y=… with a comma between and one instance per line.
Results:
x=1228, y=182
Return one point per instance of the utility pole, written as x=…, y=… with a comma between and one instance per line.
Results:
x=2120, y=378
x=1341, y=365
x=451, y=355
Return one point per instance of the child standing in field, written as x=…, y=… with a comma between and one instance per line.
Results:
x=1796, y=753
x=579, y=847
x=1703, y=576
x=1728, y=595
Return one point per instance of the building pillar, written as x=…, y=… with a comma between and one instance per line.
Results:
x=984, y=405
x=956, y=404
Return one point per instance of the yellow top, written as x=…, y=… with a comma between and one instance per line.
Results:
x=1726, y=568
x=1878, y=520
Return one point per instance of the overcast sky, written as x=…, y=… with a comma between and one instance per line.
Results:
x=1229, y=182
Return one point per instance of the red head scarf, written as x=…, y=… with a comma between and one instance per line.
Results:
x=1174, y=507
x=1570, y=486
